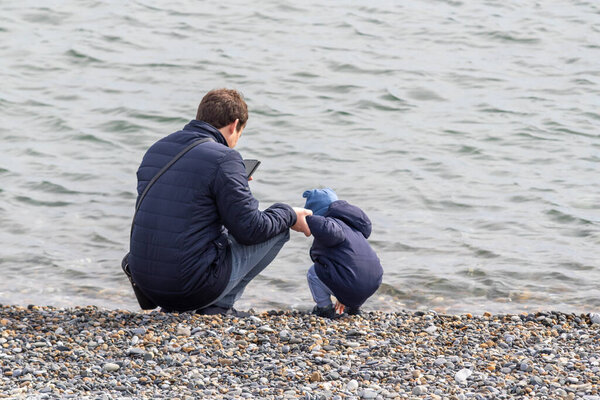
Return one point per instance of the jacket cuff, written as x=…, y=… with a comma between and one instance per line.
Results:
x=290, y=211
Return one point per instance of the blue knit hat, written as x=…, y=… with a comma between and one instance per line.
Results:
x=318, y=200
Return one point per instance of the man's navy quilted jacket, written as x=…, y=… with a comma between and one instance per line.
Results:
x=180, y=255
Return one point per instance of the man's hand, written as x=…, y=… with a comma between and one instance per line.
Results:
x=301, y=225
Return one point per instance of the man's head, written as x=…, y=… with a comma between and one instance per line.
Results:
x=318, y=200
x=226, y=110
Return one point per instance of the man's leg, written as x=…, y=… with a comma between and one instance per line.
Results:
x=320, y=292
x=247, y=262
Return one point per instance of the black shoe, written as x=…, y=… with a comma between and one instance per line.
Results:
x=325, y=312
x=218, y=310
x=353, y=311
x=212, y=310
x=239, y=314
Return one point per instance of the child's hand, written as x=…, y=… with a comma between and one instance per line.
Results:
x=339, y=307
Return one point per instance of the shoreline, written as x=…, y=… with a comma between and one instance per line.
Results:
x=94, y=353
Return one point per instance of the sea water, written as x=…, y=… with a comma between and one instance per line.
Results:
x=467, y=131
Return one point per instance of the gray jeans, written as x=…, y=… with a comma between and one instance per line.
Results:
x=320, y=292
x=246, y=263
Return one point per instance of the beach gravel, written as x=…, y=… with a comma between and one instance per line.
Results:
x=92, y=353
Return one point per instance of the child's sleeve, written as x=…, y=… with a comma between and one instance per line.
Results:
x=326, y=230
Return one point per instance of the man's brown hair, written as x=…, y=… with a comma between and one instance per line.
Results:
x=220, y=107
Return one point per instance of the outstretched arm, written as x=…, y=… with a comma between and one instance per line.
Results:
x=238, y=209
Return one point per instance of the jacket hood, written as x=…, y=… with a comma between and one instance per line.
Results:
x=351, y=215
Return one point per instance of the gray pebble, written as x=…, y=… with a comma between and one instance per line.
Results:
x=431, y=329
x=352, y=385
x=111, y=367
x=419, y=390
x=141, y=331
x=369, y=394
x=266, y=329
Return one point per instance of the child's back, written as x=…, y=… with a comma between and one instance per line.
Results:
x=344, y=262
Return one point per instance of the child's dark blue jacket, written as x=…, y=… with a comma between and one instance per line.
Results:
x=179, y=244
x=344, y=260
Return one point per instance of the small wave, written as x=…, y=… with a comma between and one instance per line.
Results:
x=45, y=15
x=80, y=58
x=452, y=205
x=480, y=252
x=116, y=39
x=269, y=112
x=564, y=218
x=576, y=133
x=534, y=136
x=575, y=266
x=159, y=118
x=494, y=110
x=523, y=199
x=89, y=138
x=37, y=154
x=464, y=149
x=290, y=8
x=342, y=89
x=262, y=17
x=158, y=67
x=582, y=82
x=29, y=201
x=305, y=74
x=99, y=239
x=592, y=115
x=472, y=273
x=393, y=95
x=389, y=290
x=452, y=3
x=120, y=125
x=55, y=122
x=425, y=95
x=49, y=187
x=508, y=37
x=351, y=68
x=554, y=277
x=339, y=113
x=370, y=104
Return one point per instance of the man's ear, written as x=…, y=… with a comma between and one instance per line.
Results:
x=235, y=125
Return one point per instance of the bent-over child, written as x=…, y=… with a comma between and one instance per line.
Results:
x=345, y=265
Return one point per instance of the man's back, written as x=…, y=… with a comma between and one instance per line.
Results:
x=198, y=237
x=178, y=247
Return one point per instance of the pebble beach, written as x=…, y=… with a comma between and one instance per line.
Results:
x=93, y=353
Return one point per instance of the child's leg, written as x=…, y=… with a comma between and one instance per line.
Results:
x=320, y=293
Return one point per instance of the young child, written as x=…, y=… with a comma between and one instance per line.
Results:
x=345, y=265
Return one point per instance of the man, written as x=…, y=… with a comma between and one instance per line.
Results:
x=199, y=238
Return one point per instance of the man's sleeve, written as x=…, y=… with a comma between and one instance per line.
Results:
x=326, y=230
x=239, y=209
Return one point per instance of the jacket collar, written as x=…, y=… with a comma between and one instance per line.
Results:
x=205, y=130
